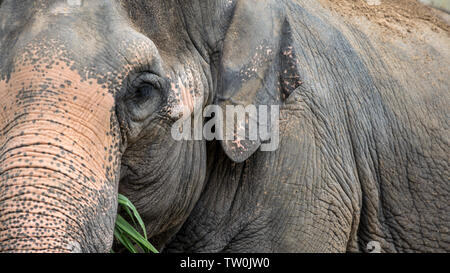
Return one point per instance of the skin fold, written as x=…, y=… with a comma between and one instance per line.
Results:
x=89, y=92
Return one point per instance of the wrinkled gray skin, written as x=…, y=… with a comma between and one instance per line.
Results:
x=364, y=140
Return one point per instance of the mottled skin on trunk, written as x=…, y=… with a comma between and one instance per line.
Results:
x=88, y=95
x=54, y=175
x=59, y=141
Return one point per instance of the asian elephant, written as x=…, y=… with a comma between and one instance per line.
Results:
x=90, y=92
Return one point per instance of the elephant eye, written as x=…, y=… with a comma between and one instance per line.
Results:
x=144, y=92
x=145, y=96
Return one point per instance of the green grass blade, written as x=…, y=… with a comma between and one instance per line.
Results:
x=127, y=205
x=118, y=234
x=126, y=234
x=129, y=230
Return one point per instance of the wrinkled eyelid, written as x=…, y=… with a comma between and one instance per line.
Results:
x=147, y=78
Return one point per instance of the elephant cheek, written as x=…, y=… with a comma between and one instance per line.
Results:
x=186, y=94
x=59, y=162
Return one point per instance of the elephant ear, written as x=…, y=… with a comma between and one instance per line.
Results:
x=258, y=68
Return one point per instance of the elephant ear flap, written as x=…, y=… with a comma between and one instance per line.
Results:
x=249, y=76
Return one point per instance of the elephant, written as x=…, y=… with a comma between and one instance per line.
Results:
x=91, y=91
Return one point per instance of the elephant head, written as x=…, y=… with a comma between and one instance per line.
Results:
x=89, y=93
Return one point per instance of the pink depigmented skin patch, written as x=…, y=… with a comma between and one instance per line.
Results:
x=185, y=94
x=58, y=154
x=238, y=144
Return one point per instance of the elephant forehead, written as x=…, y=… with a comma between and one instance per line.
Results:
x=98, y=39
x=44, y=54
x=50, y=62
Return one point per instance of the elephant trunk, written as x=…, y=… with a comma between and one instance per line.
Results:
x=59, y=163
